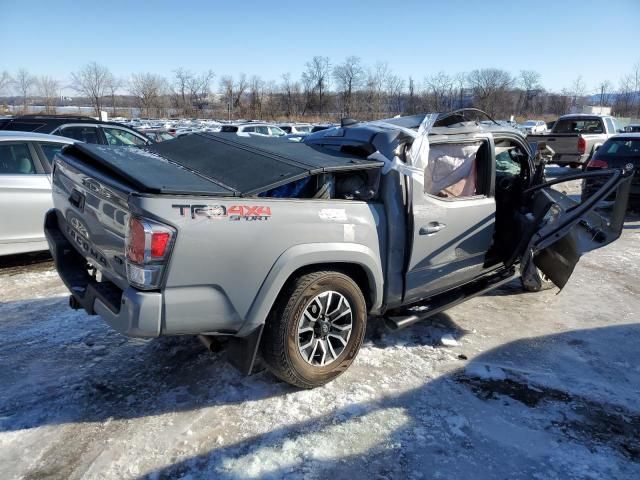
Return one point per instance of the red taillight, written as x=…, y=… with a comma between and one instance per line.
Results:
x=159, y=242
x=148, y=244
x=582, y=145
x=147, y=241
x=136, y=241
x=595, y=163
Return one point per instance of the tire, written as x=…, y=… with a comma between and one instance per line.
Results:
x=287, y=329
x=540, y=282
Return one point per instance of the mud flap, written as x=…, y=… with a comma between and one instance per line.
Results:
x=570, y=229
x=242, y=351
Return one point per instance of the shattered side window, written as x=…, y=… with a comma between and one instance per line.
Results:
x=508, y=160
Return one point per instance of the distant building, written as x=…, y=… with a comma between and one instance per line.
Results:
x=596, y=110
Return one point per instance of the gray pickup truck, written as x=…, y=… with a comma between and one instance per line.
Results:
x=288, y=248
x=575, y=138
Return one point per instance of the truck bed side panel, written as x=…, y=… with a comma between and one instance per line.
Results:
x=226, y=248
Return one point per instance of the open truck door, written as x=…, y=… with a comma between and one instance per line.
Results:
x=559, y=230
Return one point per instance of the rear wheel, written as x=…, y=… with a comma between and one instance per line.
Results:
x=315, y=330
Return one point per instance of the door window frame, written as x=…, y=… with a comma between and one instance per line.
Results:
x=525, y=147
x=490, y=188
x=100, y=133
x=44, y=160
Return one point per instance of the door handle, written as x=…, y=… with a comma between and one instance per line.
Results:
x=433, y=227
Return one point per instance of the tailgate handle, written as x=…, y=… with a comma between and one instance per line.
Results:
x=77, y=199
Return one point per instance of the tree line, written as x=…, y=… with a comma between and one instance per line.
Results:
x=324, y=91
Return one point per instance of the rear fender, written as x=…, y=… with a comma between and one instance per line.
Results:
x=310, y=254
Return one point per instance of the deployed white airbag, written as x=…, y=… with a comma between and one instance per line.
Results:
x=451, y=170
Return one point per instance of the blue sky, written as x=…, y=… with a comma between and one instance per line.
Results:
x=596, y=39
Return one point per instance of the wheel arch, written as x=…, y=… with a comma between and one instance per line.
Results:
x=357, y=261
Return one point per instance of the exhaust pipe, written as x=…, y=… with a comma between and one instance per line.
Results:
x=210, y=342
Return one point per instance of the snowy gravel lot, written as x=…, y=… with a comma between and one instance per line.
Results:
x=533, y=386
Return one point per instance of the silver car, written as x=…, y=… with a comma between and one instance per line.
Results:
x=25, y=188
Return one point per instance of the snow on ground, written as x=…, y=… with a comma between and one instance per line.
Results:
x=531, y=386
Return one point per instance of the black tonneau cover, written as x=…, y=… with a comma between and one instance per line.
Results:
x=221, y=164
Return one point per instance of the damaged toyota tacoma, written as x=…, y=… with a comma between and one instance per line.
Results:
x=288, y=248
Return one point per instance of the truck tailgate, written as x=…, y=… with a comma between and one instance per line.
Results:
x=92, y=215
x=563, y=144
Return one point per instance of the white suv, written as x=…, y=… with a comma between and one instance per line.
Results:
x=261, y=129
x=533, y=126
x=296, y=128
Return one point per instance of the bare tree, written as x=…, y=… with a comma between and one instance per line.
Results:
x=24, y=82
x=412, y=101
x=577, y=90
x=48, y=89
x=440, y=91
x=308, y=93
x=181, y=82
x=287, y=95
x=623, y=104
x=604, y=89
x=233, y=91
x=256, y=91
x=5, y=80
x=112, y=86
x=226, y=85
x=529, y=81
x=489, y=86
x=395, y=92
x=559, y=103
x=636, y=86
x=92, y=81
x=348, y=76
x=200, y=89
x=148, y=88
x=376, y=82
x=240, y=88
x=269, y=99
x=298, y=99
x=460, y=82
x=317, y=73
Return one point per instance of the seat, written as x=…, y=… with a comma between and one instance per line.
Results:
x=89, y=136
x=25, y=166
x=16, y=166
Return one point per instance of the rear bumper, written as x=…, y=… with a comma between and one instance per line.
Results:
x=130, y=311
x=189, y=310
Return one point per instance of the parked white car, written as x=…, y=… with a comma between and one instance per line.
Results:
x=296, y=128
x=533, y=126
x=25, y=188
x=261, y=129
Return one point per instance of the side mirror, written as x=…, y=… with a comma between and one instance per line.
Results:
x=621, y=130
